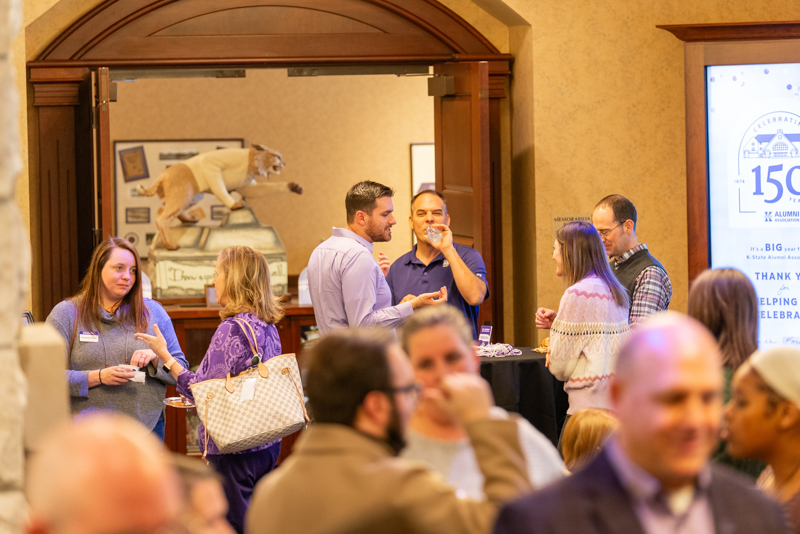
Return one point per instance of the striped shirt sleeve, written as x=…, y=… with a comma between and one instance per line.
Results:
x=652, y=294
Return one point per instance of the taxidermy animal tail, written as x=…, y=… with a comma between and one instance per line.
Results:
x=153, y=189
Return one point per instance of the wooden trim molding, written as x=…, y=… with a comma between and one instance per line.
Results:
x=719, y=44
x=183, y=33
x=737, y=31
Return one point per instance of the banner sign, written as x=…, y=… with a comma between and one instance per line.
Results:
x=753, y=117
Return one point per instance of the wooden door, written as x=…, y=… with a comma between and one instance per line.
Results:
x=463, y=169
x=105, y=157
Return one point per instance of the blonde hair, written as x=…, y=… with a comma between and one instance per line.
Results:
x=583, y=254
x=247, y=284
x=584, y=435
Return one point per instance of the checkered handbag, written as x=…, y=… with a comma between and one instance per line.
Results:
x=275, y=410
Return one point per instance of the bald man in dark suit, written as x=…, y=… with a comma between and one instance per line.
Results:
x=653, y=477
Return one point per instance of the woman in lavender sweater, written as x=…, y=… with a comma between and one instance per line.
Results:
x=243, y=289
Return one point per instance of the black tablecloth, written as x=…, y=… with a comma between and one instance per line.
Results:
x=524, y=385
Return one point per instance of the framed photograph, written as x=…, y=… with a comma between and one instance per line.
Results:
x=137, y=215
x=423, y=167
x=218, y=212
x=140, y=162
x=134, y=164
x=211, y=296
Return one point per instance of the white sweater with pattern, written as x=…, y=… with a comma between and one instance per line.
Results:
x=585, y=338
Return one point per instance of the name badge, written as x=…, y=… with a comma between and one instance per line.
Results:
x=248, y=389
x=485, y=335
x=88, y=337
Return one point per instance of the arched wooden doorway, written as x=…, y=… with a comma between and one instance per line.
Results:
x=71, y=94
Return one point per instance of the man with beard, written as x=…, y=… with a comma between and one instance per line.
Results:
x=348, y=287
x=343, y=477
x=654, y=477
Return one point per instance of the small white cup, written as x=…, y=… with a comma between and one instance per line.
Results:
x=138, y=375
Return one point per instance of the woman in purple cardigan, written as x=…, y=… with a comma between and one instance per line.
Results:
x=243, y=289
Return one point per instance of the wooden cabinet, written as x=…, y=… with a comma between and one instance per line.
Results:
x=194, y=328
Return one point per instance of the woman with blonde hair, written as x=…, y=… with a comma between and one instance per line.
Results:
x=584, y=436
x=244, y=290
x=725, y=301
x=592, y=320
x=98, y=325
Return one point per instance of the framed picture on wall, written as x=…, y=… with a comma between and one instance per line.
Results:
x=140, y=162
x=423, y=167
x=134, y=164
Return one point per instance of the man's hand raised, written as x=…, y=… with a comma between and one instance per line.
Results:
x=430, y=299
x=383, y=261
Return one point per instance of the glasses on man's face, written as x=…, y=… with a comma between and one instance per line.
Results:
x=604, y=233
x=414, y=390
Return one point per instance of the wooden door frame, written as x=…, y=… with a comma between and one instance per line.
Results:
x=719, y=44
x=428, y=34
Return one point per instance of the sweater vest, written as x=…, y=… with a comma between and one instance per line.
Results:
x=628, y=271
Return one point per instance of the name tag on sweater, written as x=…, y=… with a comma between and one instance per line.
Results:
x=88, y=337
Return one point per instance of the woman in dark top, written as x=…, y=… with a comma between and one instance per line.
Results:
x=724, y=300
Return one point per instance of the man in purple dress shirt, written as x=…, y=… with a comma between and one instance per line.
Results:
x=458, y=268
x=348, y=287
x=654, y=476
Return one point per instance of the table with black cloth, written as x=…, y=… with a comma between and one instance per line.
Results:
x=522, y=384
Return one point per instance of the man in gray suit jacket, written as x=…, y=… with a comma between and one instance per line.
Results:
x=653, y=477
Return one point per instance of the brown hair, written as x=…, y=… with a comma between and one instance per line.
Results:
x=364, y=197
x=584, y=435
x=247, y=284
x=724, y=300
x=623, y=209
x=132, y=311
x=583, y=254
x=343, y=367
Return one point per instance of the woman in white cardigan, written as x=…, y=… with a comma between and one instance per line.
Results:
x=592, y=319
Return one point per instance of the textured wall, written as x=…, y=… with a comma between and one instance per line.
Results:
x=332, y=132
x=598, y=107
x=14, y=281
x=608, y=117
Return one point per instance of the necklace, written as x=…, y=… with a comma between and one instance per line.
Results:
x=105, y=352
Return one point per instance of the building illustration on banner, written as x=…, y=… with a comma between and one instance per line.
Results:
x=776, y=145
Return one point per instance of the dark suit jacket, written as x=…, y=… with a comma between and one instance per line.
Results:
x=592, y=501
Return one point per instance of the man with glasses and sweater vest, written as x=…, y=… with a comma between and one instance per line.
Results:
x=642, y=275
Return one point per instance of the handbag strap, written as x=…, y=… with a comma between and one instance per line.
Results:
x=254, y=343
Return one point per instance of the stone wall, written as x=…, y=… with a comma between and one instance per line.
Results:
x=14, y=281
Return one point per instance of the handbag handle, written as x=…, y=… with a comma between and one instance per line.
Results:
x=263, y=370
x=253, y=344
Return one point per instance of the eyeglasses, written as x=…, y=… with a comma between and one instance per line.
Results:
x=414, y=390
x=604, y=233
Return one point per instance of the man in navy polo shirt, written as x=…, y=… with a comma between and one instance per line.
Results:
x=432, y=265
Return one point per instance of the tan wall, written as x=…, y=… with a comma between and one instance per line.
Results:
x=608, y=117
x=597, y=107
x=332, y=131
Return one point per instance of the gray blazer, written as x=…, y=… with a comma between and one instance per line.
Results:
x=592, y=501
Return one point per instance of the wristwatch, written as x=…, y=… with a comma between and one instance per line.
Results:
x=168, y=365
